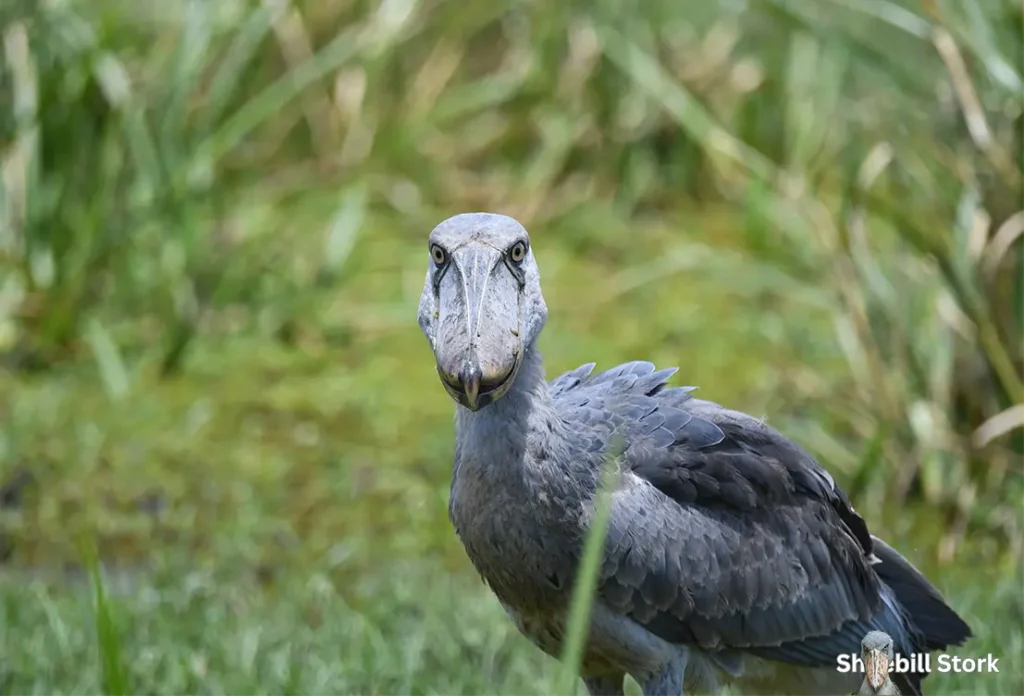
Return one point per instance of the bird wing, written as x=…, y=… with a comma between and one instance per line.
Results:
x=723, y=533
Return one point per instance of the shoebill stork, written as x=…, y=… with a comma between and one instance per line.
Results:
x=877, y=655
x=730, y=552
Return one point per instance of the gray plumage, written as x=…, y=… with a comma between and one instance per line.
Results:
x=730, y=551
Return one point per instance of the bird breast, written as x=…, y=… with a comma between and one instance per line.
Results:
x=520, y=537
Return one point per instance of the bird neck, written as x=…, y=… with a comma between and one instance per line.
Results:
x=514, y=455
x=496, y=437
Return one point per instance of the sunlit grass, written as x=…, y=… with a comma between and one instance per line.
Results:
x=215, y=631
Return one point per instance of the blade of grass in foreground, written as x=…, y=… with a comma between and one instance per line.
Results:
x=586, y=579
x=112, y=674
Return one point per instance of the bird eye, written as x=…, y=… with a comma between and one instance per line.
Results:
x=438, y=255
x=517, y=252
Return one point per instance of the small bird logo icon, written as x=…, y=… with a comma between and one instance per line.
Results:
x=877, y=653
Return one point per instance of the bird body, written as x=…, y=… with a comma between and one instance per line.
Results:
x=730, y=551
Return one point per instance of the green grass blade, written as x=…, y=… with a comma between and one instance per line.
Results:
x=114, y=680
x=586, y=579
x=344, y=227
x=230, y=68
x=108, y=358
x=186, y=70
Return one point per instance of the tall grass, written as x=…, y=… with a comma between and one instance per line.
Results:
x=114, y=167
x=873, y=146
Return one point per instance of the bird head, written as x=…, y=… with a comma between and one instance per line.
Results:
x=877, y=652
x=481, y=307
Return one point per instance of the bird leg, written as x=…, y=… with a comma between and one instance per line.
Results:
x=605, y=685
x=668, y=681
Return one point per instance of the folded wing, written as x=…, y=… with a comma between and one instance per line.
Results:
x=723, y=533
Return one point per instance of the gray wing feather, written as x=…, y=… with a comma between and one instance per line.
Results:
x=723, y=533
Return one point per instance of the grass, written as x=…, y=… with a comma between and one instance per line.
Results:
x=391, y=632
x=211, y=230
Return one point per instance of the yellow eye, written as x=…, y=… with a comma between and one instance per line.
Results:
x=517, y=252
x=438, y=255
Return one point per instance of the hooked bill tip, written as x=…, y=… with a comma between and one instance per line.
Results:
x=471, y=387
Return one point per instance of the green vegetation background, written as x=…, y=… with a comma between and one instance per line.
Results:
x=212, y=225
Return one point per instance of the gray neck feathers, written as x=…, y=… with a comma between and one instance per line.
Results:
x=518, y=441
x=502, y=428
